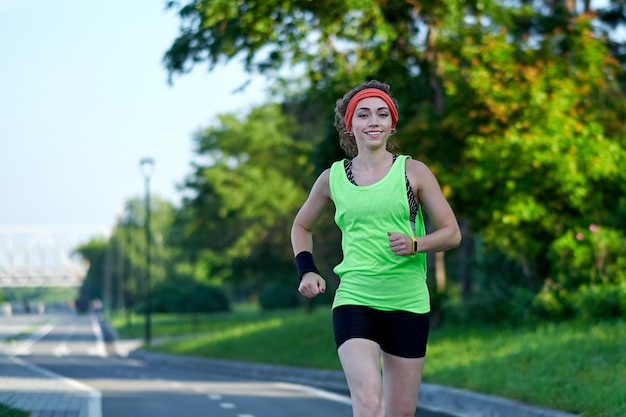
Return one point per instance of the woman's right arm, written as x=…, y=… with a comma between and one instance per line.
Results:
x=302, y=231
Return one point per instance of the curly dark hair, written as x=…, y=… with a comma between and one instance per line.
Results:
x=346, y=139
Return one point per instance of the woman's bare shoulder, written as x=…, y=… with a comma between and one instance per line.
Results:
x=417, y=167
x=322, y=184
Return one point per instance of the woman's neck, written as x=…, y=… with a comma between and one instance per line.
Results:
x=369, y=160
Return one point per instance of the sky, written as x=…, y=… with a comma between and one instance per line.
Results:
x=84, y=97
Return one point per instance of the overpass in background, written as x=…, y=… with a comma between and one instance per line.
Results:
x=42, y=256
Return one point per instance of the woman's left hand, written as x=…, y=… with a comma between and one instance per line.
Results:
x=400, y=244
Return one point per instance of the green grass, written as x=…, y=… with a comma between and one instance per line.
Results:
x=245, y=335
x=574, y=367
x=7, y=411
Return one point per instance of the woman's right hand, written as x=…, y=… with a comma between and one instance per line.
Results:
x=312, y=284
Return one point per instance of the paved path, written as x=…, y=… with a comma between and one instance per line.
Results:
x=28, y=386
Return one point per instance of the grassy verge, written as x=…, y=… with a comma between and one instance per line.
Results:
x=574, y=367
x=245, y=335
x=7, y=411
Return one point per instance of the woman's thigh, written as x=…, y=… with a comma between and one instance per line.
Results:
x=362, y=334
x=360, y=360
x=402, y=378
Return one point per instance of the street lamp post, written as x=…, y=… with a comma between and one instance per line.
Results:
x=147, y=167
x=121, y=251
x=129, y=274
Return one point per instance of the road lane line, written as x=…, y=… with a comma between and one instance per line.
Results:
x=61, y=350
x=100, y=347
x=24, y=348
x=318, y=392
x=95, y=397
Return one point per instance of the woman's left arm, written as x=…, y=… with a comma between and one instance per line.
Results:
x=447, y=234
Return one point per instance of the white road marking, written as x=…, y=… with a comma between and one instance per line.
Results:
x=100, y=349
x=319, y=393
x=227, y=405
x=61, y=350
x=95, y=396
x=24, y=348
x=215, y=396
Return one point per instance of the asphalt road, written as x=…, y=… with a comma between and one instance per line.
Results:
x=73, y=347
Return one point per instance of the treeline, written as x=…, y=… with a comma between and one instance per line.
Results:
x=518, y=107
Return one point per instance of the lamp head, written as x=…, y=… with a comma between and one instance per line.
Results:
x=147, y=167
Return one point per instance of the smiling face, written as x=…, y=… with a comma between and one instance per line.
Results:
x=371, y=123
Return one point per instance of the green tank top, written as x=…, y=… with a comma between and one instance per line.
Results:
x=370, y=274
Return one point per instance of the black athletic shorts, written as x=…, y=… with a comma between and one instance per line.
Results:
x=399, y=333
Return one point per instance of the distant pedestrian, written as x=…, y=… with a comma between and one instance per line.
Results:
x=381, y=307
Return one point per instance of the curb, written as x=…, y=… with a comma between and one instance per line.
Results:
x=465, y=403
x=454, y=401
x=325, y=379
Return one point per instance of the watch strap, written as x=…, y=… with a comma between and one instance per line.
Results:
x=413, y=245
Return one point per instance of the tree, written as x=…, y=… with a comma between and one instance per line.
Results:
x=518, y=108
x=94, y=252
x=542, y=156
x=248, y=180
x=119, y=260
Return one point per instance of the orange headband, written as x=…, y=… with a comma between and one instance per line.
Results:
x=369, y=92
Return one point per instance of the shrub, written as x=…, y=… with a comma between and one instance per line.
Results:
x=594, y=255
x=186, y=296
x=553, y=302
x=278, y=295
x=8, y=411
x=600, y=301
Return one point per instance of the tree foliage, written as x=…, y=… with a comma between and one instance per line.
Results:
x=118, y=264
x=547, y=139
x=248, y=180
x=518, y=108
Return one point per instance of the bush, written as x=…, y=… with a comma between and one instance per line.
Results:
x=8, y=411
x=587, y=302
x=187, y=296
x=510, y=307
x=278, y=295
x=478, y=310
x=210, y=298
x=600, y=302
x=594, y=255
x=553, y=302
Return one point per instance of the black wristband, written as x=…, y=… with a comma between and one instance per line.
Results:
x=305, y=263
